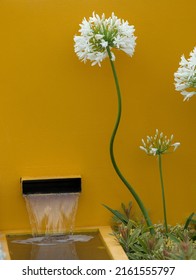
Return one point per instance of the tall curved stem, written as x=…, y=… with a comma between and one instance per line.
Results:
x=126, y=183
x=163, y=193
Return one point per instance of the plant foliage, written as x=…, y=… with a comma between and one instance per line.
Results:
x=134, y=236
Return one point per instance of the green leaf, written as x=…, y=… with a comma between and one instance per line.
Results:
x=190, y=220
x=173, y=237
x=117, y=214
x=143, y=245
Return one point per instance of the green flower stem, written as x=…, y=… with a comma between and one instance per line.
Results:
x=130, y=188
x=163, y=193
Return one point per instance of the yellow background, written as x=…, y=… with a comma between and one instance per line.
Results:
x=57, y=114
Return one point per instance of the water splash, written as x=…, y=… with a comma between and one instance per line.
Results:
x=53, y=240
x=52, y=213
x=51, y=247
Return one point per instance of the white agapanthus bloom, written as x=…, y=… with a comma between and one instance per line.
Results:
x=158, y=144
x=99, y=33
x=185, y=77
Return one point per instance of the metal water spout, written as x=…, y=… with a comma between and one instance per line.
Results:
x=51, y=203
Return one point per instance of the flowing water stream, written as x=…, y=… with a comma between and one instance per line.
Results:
x=52, y=219
x=52, y=213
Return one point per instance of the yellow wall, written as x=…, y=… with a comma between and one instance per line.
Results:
x=57, y=114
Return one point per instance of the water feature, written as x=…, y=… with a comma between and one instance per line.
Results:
x=77, y=246
x=52, y=213
x=52, y=206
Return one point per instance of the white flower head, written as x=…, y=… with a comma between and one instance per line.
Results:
x=99, y=33
x=158, y=144
x=185, y=77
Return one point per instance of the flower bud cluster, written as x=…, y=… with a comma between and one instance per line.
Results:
x=158, y=144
